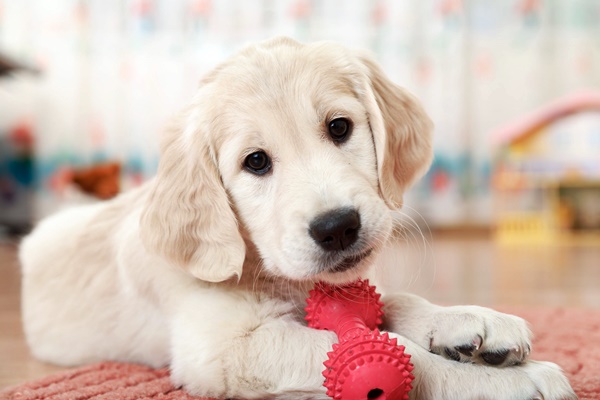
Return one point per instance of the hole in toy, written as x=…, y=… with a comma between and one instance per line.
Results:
x=375, y=394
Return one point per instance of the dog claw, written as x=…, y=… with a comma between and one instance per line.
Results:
x=538, y=396
x=466, y=349
x=469, y=349
x=477, y=342
x=453, y=355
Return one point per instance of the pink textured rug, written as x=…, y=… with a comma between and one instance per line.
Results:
x=570, y=338
x=103, y=381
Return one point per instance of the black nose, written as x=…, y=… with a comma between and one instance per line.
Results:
x=336, y=229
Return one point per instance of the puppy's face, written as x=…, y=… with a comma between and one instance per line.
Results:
x=298, y=159
x=307, y=147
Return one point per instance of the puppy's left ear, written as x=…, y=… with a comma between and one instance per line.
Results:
x=402, y=133
x=187, y=217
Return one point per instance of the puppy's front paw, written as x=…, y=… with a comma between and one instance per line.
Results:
x=550, y=381
x=479, y=335
x=533, y=380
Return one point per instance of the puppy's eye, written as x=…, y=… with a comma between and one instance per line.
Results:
x=258, y=163
x=340, y=129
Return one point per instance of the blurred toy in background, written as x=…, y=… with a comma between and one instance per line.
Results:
x=82, y=183
x=101, y=181
x=17, y=169
x=547, y=173
x=16, y=177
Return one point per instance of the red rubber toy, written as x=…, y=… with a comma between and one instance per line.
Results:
x=365, y=364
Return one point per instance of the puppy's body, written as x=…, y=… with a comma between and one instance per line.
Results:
x=84, y=301
x=282, y=172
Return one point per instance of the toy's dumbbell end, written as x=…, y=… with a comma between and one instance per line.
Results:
x=327, y=303
x=370, y=367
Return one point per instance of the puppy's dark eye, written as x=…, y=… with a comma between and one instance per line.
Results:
x=340, y=129
x=258, y=163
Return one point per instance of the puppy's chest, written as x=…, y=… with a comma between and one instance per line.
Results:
x=281, y=298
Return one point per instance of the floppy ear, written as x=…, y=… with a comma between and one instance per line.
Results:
x=187, y=217
x=401, y=132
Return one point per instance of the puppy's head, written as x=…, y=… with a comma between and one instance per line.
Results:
x=306, y=148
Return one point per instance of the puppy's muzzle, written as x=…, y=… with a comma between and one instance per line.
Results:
x=336, y=230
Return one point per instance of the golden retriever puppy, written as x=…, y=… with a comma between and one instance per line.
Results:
x=284, y=170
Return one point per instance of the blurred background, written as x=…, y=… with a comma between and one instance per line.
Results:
x=509, y=213
x=511, y=86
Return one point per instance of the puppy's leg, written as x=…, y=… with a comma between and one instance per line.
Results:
x=437, y=378
x=461, y=333
x=231, y=345
x=259, y=350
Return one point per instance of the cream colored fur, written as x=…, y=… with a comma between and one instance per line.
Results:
x=206, y=267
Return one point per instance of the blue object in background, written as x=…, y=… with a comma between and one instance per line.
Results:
x=17, y=183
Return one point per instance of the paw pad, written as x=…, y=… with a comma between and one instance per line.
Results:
x=495, y=357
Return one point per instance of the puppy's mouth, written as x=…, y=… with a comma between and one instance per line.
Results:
x=350, y=262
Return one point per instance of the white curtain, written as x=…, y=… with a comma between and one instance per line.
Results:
x=115, y=70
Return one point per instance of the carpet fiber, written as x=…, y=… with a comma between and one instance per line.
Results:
x=570, y=338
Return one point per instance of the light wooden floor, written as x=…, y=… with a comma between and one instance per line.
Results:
x=16, y=365
x=448, y=269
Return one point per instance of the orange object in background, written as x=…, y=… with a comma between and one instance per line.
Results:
x=101, y=181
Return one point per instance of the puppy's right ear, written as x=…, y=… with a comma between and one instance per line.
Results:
x=187, y=218
x=401, y=133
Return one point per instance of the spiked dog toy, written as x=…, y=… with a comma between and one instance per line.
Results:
x=365, y=364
